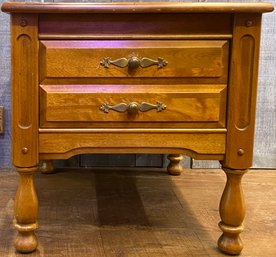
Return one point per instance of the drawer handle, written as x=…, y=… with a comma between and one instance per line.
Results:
x=134, y=62
x=133, y=107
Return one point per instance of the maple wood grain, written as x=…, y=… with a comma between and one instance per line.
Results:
x=209, y=88
x=71, y=59
x=135, y=25
x=24, y=75
x=79, y=105
x=242, y=92
x=62, y=145
x=137, y=7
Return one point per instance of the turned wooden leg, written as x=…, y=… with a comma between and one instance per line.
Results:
x=232, y=212
x=175, y=167
x=47, y=167
x=26, y=210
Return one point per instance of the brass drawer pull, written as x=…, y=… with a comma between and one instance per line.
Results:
x=133, y=107
x=134, y=62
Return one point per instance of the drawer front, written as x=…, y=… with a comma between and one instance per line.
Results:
x=133, y=59
x=132, y=106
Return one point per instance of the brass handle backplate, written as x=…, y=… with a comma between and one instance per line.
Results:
x=133, y=107
x=134, y=62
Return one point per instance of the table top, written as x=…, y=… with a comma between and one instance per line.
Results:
x=135, y=7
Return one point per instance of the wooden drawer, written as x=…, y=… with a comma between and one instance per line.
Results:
x=132, y=106
x=154, y=58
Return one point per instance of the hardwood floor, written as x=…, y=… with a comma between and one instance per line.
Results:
x=126, y=213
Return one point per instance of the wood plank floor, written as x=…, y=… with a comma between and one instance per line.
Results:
x=124, y=213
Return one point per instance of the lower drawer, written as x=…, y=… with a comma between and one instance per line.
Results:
x=132, y=106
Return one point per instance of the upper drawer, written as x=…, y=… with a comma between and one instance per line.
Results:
x=133, y=59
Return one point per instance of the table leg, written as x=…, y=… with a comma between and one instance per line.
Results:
x=232, y=212
x=47, y=167
x=175, y=167
x=26, y=211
